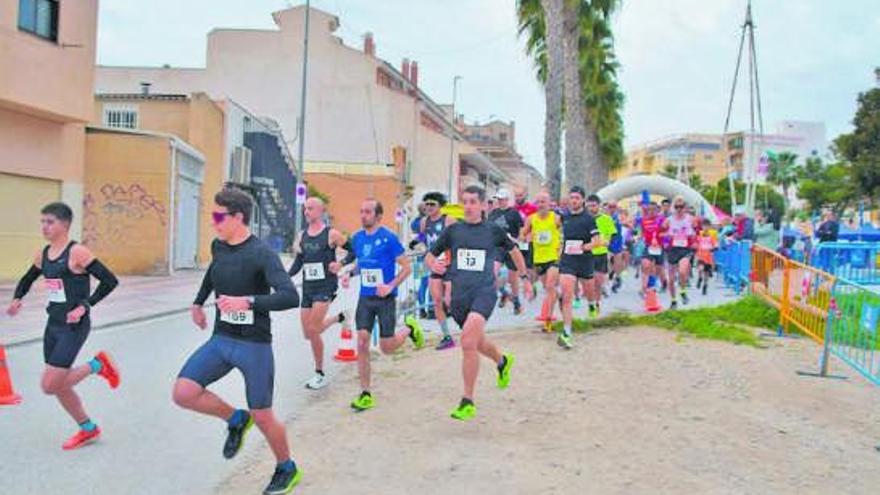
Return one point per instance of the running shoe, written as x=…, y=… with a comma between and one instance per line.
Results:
x=616, y=285
x=673, y=305
x=593, y=312
x=705, y=287
x=578, y=303
x=81, y=438
x=517, y=307
x=415, y=331
x=663, y=286
x=504, y=371
x=236, y=434
x=564, y=341
x=363, y=402
x=502, y=301
x=283, y=481
x=109, y=370
x=464, y=411
x=684, y=298
x=447, y=342
x=317, y=382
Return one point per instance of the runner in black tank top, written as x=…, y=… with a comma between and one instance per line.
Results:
x=433, y=226
x=316, y=258
x=66, y=268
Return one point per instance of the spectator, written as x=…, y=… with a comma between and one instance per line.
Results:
x=829, y=228
x=765, y=234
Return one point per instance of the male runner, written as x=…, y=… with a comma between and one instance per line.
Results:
x=617, y=247
x=580, y=236
x=378, y=253
x=511, y=222
x=544, y=227
x=680, y=227
x=652, y=259
x=433, y=224
x=607, y=230
x=526, y=208
x=315, y=250
x=474, y=246
x=66, y=268
x=242, y=273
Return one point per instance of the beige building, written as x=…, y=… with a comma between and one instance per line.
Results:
x=369, y=129
x=497, y=141
x=683, y=154
x=47, y=58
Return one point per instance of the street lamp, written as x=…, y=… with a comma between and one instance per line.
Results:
x=452, y=139
x=301, y=179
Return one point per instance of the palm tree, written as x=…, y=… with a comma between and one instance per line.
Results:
x=783, y=171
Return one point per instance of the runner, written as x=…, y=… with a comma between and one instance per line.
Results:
x=652, y=259
x=510, y=221
x=617, y=247
x=580, y=236
x=66, y=268
x=680, y=228
x=706, y=246
x=544, y=228
x=432, y=226
x=607, y=230
x=526, y=208
x=473, y=246
x=378, y=252
x=242, y=273
x=315, y=250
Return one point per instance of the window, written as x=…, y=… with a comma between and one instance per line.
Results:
x=121, y=115
x=502, y=136
x=39, y=17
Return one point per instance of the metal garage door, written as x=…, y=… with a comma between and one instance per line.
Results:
x=21, y=199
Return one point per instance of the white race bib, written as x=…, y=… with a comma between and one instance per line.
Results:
x=243, y=317
x=544, y=238
x=371, y=277
x=472, y=260
x=655, y=250
x=574, y=247
x=523, y=246
x=680, y=242
x=55, y=290
x=313, y=271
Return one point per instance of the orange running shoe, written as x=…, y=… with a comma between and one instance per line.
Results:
x=109, y=371
x=81, y=438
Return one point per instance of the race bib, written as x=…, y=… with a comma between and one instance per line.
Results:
x=55, y=290
x=243, y=317
x=371, y=277
x=472, y=260
x=680, y=242
x=313, y=271
x=574, y=247
x=523, y=246
x=655, y=250
x=544, y=238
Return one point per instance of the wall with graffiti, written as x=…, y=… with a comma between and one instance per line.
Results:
x=126, y=213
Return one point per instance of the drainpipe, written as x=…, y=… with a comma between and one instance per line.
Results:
x=172, y=210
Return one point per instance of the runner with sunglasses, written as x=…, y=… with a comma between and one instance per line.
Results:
x=242, y=275
x=433, y=224
x=680, y=229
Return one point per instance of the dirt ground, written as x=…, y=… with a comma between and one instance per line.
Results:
x=634, y=410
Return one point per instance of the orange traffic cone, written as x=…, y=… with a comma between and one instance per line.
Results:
x=8, y=397
x=652, y=304
x=546, y=317
x=346, y=352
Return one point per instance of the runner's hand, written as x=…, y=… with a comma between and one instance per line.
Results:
x=335, y=266
x=76, y=314
x=439, y=266
x=198, y=316
x=14, y=307
x=382, y=290
x=233, y=303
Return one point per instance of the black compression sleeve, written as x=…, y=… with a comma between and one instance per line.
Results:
x=297, y=265
x=24, y=285
x=285, y=295
x=106, y=281
x=206, y=288
x=350, y=257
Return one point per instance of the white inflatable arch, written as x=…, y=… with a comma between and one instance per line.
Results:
x=657, y=184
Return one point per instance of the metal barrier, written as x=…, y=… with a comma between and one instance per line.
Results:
x=853, y=328
x=857, y=262
x=734, y=262
x=768, y=276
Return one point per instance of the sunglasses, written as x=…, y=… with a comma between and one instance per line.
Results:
x=679, y=207
x=219, y=216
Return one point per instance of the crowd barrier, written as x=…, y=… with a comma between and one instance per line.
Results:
x=734, y=262
x=857, y=262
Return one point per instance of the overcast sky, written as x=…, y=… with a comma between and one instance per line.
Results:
x=677, y=56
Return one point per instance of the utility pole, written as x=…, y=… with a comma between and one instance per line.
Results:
x=452, y=139
x=300, y=165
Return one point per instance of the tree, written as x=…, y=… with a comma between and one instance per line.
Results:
x=766, y=197
x=581, y=152
x=783, y=171
x=830, y=185
x=862, y=146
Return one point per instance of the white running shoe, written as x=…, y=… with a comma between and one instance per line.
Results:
x=318, y=381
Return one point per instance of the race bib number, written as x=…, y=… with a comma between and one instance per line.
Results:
x=680, y=242
x=655, y=250
x=313, y=271
x=544, y=238
x=523, y=246
x=574, y=247
x=243, y=317
x=472, y=260
x=55, y=290
x=371, y=277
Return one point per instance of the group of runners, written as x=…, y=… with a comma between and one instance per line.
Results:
x=499, y=252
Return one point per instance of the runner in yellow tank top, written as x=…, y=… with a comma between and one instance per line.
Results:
x=545, y=228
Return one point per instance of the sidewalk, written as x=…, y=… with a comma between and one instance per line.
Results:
x=137, y=298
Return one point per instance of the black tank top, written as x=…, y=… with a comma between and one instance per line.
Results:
x=317, y=255
x=433, y=229
x=65, y=289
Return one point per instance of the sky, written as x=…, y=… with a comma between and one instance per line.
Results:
x=677, y=56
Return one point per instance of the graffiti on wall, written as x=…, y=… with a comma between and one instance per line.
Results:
x=116, y=211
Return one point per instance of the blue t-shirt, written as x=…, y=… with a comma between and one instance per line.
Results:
x=616, y=244
x=376, y=258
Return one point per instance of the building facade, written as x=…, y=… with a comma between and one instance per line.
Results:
x=682, y=155
x=497, y=141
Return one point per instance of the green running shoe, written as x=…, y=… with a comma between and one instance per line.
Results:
x=465, y=411
x=564, y=341
x=282, y=482
x=416, y=334
x=578, y=304
x=504, y=371
x=363, y=402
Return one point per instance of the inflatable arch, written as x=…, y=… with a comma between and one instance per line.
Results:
x=658, y=184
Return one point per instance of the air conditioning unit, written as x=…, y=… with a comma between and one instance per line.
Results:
x=240, y=168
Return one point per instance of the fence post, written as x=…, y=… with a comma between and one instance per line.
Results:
x=826, y=342
x=784, y=304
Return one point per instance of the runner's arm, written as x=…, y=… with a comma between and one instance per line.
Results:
x=440, y=246
x=206, y=288
x=107, y=281
x=526, y=230
x=24, y=285
x=284, y=295
x=297, y=260
x=405, y=270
